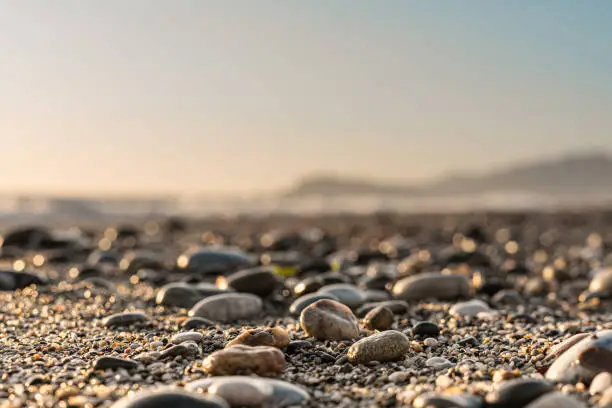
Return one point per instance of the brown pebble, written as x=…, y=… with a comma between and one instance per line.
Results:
x=273, y=337
x=261, y=360
x=379, y=318
x=327, y=319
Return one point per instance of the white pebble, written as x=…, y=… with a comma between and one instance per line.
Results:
x=430, y=342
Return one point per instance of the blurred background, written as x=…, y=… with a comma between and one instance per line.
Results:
x=204, y=107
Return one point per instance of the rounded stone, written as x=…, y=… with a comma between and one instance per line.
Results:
x=13, y=280
x=273, y=337
x=170, y=398
x=187, y=349
x=303, y=302
x=471, y=308
x=389, y=345
x=602, y=282
x=259, y=281
x=379, y=318
x=228, y=307
x=398, y=307
x=196, y=322
x=218, y=260
x=556, y=399
x=329, y=320
x=436, y=400
x=438, y=363
x=584, y=359
x=600, y=383
x=260, y=360
x=517, y=393
x=346, y=294
x=134, y=261
x=429, y=329
x=308, y=285
x=432, y=285
x=124, y=319
x=187, y=336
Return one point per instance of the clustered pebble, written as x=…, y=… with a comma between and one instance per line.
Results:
x=491, y=310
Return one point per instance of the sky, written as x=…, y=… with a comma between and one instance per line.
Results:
x=189, y=96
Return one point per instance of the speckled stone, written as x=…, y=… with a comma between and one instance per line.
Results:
x=273, y=337
x=329, y=320
x=389, y=345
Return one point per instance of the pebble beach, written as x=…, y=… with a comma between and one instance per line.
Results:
x=499, y=310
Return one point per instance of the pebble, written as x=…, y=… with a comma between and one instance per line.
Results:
x=297, y=345
x=430, y=342
x=273, y=337
x=106, y=362
x=303, y=302
x=398, y=307
x=261, y=360
x=600, y=383
x=471, y=308
x=228, y=307
x=170, y=398
x=517, y=393
x=389, y=345
x=329, y=320
x=196, y=322
x=346, y=294
x=437, y=400
x=124, y=319
x=187, y=336
x=12, y=280
x=208, y=261
x=379, y=318
x=187, y=349
x=258, y=281
x=556, y=399
x=183, y=295
x=398, y=377
x=252, y=391
x=426, y=329
x=432, y=285
x=439, y=363
x=602, y=282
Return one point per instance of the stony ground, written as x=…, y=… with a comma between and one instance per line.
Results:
x=531, y=272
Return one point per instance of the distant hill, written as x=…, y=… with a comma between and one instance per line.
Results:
x=579, y=174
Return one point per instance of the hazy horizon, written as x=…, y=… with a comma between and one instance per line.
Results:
x=200, y=96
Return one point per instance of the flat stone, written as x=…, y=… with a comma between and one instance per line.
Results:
x=252, y=391
x=260, y=360
x=517, y=393
x=124, y=319
x=379, y=318
x=187, y=336
x=385, y=346
x=210, y=261
x=432, y=285
x=196, y=322
x=228, y=307
x=398, y=307
x=346, y=294
x=258, y=281
x=303, y=302
x=437, y=400
x=170, y=397
x=180, y=294
x=471, y=308
x=273, y=337
x=187, y=349
x=438, y=363
x=106, y=362
x=329, y=320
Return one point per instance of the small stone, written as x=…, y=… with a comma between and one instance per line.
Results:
x=303, y=302
x=170, y=398
x=228, y=307
x=258, y=281
x=107, y=362
x=296, y=345
x=385, y=346
x=210, y=261
x=556, y=399
x=507, y=297
x=329, y=320
x=261, y=360
x=187, y=336
x=180, y=294
x=439, y=363
x=432, y=285
x=274, y=337
x=186, y=349
x=426, y=329
x=517, y=393
x=430, y=342
x=471, y=308
x=346, y=293
x=398, y=377
x=196, y=322
x=436, y=400
x=398, y=307
x=124, y=319
x=379, y=318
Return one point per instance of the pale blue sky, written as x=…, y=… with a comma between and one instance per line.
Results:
x=199, y=95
